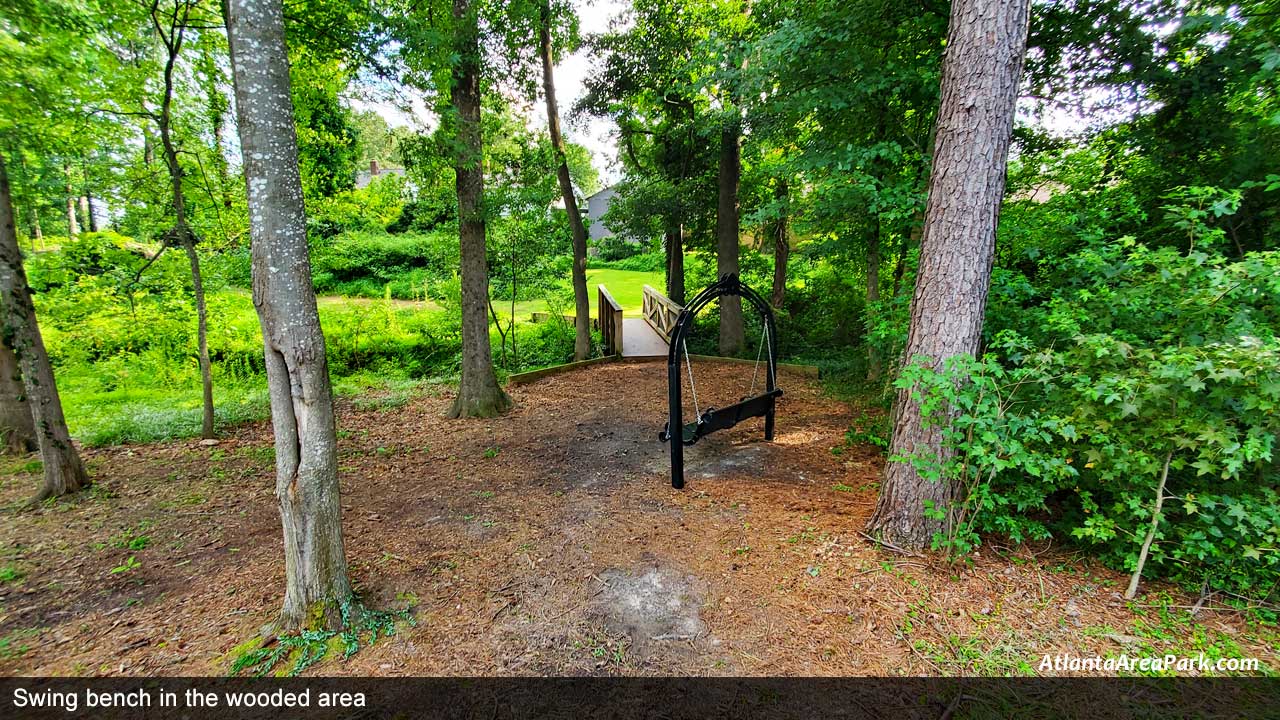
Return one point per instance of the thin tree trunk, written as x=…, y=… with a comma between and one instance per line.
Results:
x=781, y=246
x=582, y=303
x=875, y=364
x=731, y=331
x=1134, y=579
x=37, y=232
x=911, y=242
x=217, y=107
x=16, y=425
x=478, y=392
x=674, y=242
x=73, y=226
x=302, y=418
x=985, y=46
x=202, y=341
x=182, y=234
x=86, y=215
x=63, y=471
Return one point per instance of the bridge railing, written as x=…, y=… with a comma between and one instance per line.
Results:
x=609, y=316
x=661, y=312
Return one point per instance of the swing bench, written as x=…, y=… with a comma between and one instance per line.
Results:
x=714, y=419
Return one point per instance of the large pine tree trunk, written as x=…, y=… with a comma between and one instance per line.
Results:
x=781, y=246
x=63, y=471
x=16, y=425
x=302, y=418
x=478, y=392
x=983, y=63
x=731, y=332
x=582, y=303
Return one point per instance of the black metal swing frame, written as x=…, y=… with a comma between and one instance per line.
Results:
x=717, y=418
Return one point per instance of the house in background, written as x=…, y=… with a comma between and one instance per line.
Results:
x=364, y=177
x=597, y=205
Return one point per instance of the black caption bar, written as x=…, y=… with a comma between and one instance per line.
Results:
x=636, y=698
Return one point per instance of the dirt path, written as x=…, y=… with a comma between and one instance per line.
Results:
x=548, y=542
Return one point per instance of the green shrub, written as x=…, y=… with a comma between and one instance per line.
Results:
x=367, y=263
x=614, y=248
x=1067, y=428
x=643, y=261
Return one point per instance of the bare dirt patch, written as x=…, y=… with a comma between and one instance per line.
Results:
x=549, y=541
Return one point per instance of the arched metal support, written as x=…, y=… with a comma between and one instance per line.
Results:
x=723, y=418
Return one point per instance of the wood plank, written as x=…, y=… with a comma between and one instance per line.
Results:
x=806, y=370
x=525, y=378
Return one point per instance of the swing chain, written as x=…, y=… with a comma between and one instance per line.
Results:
x=763, y=334
x=692, y=389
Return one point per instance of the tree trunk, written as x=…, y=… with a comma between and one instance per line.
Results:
x=182, y=234
x=86, y=215
x=202, y=340
x=16, y=425
x=731, y=332
x=781, y=246
x=904, y=250
x=582, y=303
x=217, y=107
x=674, y=242
x=981, y=69
x=874, y=361
x=302, y=418
x=37, y=232
x=478, y=391
x=63, y=471
x=73, y=226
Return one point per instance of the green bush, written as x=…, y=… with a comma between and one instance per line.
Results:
x=615, y=248
x=1133, y=366
x=649, y=261
x=366, y=264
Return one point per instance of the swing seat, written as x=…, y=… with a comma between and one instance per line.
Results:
x=724, y=418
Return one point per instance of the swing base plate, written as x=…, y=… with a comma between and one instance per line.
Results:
x=724, y=418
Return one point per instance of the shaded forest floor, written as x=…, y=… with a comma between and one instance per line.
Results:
x=550, y=542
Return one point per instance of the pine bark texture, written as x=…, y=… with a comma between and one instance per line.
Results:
x=582, y=303
x=302, y=416
x=781, y=248
x=16, y=425
x=986, y=42
x=479, y=394
x=63, y=471
x=727, y=231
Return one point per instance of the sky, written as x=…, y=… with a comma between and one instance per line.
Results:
x=595, y=134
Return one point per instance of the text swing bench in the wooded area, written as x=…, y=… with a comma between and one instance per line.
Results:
x=713, y=419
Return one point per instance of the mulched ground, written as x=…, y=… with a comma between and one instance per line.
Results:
x=550, y=542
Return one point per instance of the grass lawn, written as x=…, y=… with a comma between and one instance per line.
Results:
x=626, y=286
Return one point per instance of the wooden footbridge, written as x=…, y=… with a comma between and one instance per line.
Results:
x=643, y=337
x=636, y=338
